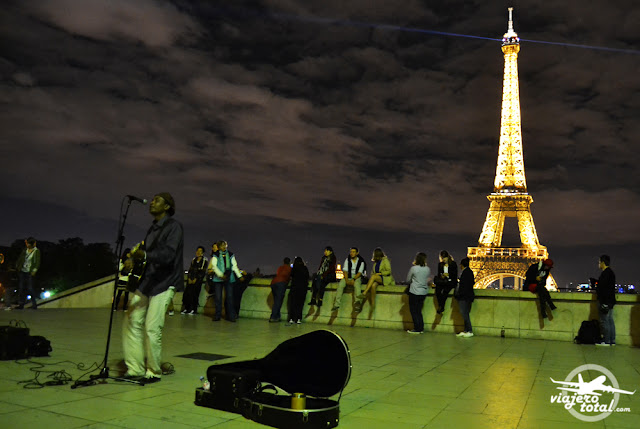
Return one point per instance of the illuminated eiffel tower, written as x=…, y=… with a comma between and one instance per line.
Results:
x=490, y=261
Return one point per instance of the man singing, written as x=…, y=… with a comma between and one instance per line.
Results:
x=161, y=255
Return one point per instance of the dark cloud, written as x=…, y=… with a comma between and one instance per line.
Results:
x=311, y=116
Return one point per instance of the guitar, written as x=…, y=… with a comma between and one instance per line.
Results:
x=138, y=264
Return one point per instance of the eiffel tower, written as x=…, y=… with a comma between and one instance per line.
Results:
x=490, y=261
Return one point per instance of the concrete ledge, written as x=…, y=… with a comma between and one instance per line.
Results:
x=494, y=311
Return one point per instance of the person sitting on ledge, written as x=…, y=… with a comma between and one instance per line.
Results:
x=353, y=269
x=381, y=275
x=536, y=280
x=326, y=274
x=446, y=279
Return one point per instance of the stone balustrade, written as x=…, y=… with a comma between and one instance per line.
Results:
x=494, y=311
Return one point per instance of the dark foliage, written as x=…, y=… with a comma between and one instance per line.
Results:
x=65, y=264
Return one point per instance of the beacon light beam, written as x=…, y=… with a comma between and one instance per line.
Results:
x=390, y=27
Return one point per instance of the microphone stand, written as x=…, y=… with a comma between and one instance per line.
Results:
x=104, y=372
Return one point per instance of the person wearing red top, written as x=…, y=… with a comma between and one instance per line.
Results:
x=279, y=287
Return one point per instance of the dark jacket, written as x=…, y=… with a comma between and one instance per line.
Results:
x=533, y=272
x=451, y=281
x=164, y=245
x=327, y=268
x=606, y=287
x=465, y=288
x=299, y=277
x=35, y=262
x=197, y=270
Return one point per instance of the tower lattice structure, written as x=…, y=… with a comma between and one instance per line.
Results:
x=490, y=261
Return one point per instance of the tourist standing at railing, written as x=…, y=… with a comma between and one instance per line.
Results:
x=298, y=292
x=225, y=273
x=606, y=293
x=279, y=288
x=195, y=276
x=326, y=274
x=465, y=296
x=446, y=279
x=238, y=290
x=380, y=275
x=535, y=279
x=123, y=279
x=418, y=279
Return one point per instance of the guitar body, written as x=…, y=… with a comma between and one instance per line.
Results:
x=138, y=265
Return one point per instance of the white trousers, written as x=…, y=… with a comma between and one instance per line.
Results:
x=142, y=332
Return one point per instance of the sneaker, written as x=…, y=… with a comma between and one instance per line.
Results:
x=291, y=322
x=335, y=309
x=216, y=319
x=184, y=312
x=299, y=322
x=273, y=320
x=603, y=344
x=461, y=334
x=413, y=331
x=468, y=334
x=312, y=302
x=170, y=312
x=8, y=308
x=320, y=303
x=192, y=312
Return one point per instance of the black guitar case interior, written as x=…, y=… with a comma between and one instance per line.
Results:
x=316, y=365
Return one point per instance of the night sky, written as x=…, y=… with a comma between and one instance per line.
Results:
x=284, y=126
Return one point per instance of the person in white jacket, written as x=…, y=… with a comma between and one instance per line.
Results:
x=225, y=272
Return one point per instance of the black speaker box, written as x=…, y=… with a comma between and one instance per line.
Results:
x=14, y=342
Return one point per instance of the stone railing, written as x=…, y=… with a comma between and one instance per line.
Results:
x=494, y=312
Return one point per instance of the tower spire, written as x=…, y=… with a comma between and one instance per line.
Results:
x=510, y=32
x=490, y=260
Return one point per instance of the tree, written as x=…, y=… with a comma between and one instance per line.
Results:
x=65, y=264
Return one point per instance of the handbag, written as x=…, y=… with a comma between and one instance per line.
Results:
x=456, y=291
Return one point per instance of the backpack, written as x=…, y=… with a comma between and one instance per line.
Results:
x=589, y=332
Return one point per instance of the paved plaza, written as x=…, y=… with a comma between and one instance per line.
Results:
x=432, y=380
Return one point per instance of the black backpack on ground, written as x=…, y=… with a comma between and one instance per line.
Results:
x=589, y=332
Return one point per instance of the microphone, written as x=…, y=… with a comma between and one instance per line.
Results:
x=134, y=198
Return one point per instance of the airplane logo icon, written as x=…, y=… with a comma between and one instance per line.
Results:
x=589, y=388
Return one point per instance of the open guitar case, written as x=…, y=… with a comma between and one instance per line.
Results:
x=315, y=366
